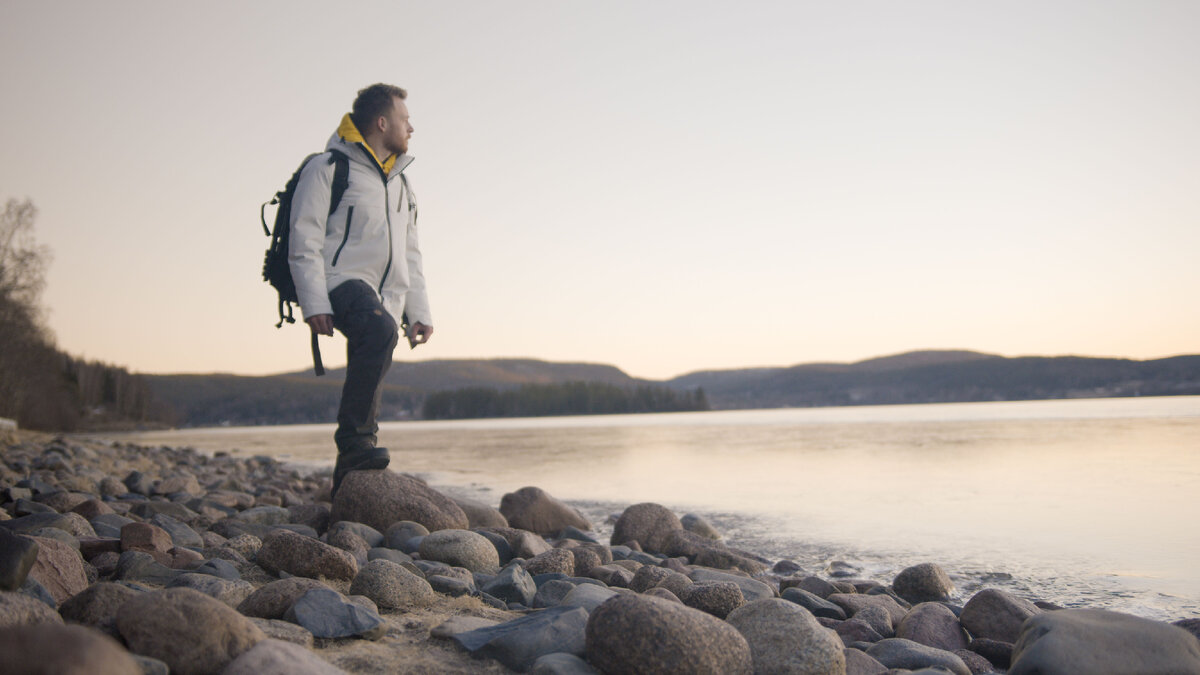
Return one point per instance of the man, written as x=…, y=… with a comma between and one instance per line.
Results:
x=358, y=269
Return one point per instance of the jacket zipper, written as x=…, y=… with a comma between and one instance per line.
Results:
x=345, y=236
x=388, y=211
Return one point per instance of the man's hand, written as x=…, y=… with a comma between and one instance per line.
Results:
x=321, y=324
x=418, y=334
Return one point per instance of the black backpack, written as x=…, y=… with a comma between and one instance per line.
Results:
x=276, y=270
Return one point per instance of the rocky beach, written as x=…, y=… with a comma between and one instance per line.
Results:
x=119, y=558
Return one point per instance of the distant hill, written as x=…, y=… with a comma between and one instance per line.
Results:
x=944, y=377
x=913, y=377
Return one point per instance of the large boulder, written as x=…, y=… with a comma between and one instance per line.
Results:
x=996, y=615
x=639, y=634
x=461, y=548
x=786, y=638
x=189, y=631
x=648, y=524
x=63, y=650
x=58, y=568
x=296, y=554
x=380, y=498
x=926, y=582
x=933, y=624
x=533, y=509
x=1100, y=641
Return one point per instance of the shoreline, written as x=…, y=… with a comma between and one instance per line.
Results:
x=174, y=478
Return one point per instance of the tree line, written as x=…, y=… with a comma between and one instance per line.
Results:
x=568, y=398
x=42, y=387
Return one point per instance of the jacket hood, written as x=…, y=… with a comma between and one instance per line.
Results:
x=348, y=134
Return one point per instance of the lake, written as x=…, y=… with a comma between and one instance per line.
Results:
x=1079, y=502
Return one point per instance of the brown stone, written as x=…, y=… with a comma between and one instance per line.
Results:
x=287, y=551
x=189, y=631
x=18, y=609
x=63, y=650
x=380, y=498
x=933, y=624
x=97, y=606
x=533, y=509
x=59, y=568
x=273, y=600
x=648, y=524
x=145, y=537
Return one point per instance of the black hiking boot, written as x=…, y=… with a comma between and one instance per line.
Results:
x=360, y=459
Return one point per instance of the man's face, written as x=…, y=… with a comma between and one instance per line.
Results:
x=395, y=137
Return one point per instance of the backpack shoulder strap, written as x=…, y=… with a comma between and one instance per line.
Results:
x=341, y=178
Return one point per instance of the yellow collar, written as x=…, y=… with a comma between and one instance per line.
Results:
x=349, y=133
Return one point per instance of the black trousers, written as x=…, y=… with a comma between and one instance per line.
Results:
x=371, y=337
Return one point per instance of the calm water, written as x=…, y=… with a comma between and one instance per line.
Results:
x=1081, y=502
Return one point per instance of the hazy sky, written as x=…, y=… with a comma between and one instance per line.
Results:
x=664, y=186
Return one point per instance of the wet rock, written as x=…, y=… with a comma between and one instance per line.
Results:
x=533, y=509
x=813, y=603
x=97, y=605
x=784, y=638
x=559, y=560
x=380, y=498
x=273, y=600
x=933, y=624
x=698, y=525
x=17, y=557
x=461, y=548
x=639, y=634
x=327, y=614
x=718, y=598
x=391, y=586
x=296, y=554
x=480, y=514
x=58, y=568
x=926, y=582
x=648, y=524
x=512, y=584
x=997, y=615
x=1190, y=625
x=1095, y=640
x=19, y=609
x=520, y=642
x=276, y=657
x=212, y=636
x=63, y=650
x=900, y=653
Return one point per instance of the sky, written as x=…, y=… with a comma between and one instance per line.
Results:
x=666, y=187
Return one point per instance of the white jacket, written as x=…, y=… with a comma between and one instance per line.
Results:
x=372, y=236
